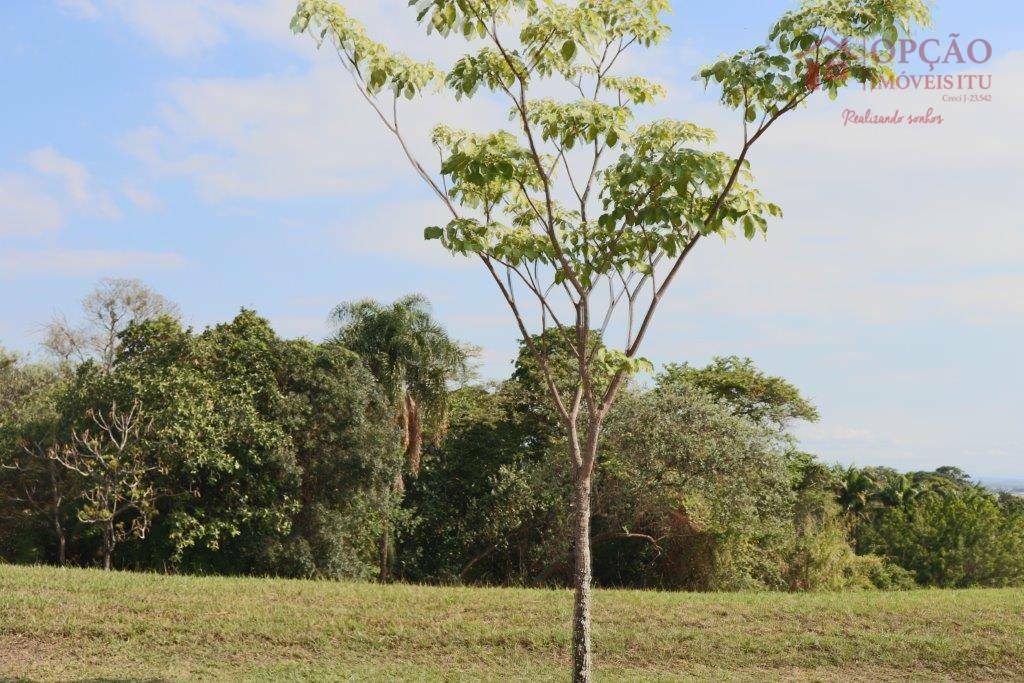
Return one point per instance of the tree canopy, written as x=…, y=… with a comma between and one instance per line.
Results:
x=575, y=207
x=748, y=391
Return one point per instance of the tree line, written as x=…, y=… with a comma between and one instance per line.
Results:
x=377, y=454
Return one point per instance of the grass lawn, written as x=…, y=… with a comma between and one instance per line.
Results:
x=84, y=624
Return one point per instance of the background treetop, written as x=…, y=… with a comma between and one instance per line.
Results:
x=763, y=398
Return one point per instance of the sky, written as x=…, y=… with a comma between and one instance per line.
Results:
x=201, y=147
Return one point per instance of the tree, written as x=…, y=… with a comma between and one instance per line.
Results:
x=270, y=453
x=342, y=428
x=711, y=490
x=118, y=491
x=107, y=311
x=856, y=490
x=215, y=405
x=486, y=501
x=954, y=540
x=30, y=429
x=561, y=232
x=413, y=359
x=767, y=400
x=42, y=487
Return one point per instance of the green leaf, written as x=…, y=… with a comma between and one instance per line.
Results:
x=568, y=50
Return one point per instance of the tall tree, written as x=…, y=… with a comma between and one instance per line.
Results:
x=765, y=399
x=106, y=313
x=119, y=494
x=212, y=404
x=346, y=446
x=856, y=491
x=30, y=428
x=414, y=360
x=580, y=218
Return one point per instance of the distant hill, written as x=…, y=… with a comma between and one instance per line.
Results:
x=1007, y=484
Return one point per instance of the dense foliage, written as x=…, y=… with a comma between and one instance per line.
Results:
x=263, y=455
x=232, y=450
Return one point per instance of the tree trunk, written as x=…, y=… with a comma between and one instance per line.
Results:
x=413, y=436
x=385, y=537
x=582, y=657
x=384, y=571
x=57, y=497
x=62, y=543
x=108, y=548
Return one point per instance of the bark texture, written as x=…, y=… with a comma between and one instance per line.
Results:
x=108, y=547
x=582, y=652
x=413, y=438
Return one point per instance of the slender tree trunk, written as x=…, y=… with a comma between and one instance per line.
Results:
x=384, y=571
x=62, y=542
x=108, y=548
x=584, y=461
x=385, y=543
x=582, y=653
x=57, y=497
x=412, y=444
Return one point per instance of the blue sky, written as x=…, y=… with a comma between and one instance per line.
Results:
x=200, y=147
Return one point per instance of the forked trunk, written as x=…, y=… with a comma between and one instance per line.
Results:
x=582, y=657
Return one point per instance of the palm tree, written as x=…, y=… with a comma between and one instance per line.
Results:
x=414, y=361
x=856, y=492
x=900, y=491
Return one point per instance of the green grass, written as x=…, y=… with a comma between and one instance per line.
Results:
x=82, y=624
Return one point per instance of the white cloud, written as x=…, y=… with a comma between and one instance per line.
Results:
x=26, y=210
x=836, y=432
x=178, y=28
x=78, y=262
x=187, y=29
x=141, y=198
x=73, y=174
x=283, y=137
x=266, y=20
x=314, y=327
x=83, y=9
x=74, y=179
x=396, y=231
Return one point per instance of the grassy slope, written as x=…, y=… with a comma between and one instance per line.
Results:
x=57, y=624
